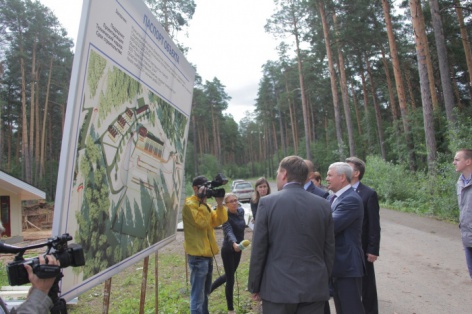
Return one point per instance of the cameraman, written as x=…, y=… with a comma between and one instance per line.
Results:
x=200, y=242
x=37, y=300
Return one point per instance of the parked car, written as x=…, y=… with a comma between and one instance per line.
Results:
x=234, y=183
x=243, y=190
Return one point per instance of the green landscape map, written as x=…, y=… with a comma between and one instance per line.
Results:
x=129, y=166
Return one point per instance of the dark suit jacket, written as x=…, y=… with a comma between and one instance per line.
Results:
x=292, y=247
x=317, y=191
x=348, y=213
x=371, y=224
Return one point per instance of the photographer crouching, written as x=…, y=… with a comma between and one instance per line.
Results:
x=200, y=242
x=37, y=300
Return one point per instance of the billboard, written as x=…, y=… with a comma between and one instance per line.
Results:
x=123, y=150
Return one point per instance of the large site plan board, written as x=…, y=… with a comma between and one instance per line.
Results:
x=122, y=159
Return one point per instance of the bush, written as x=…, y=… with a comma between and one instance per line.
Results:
x=419, y=192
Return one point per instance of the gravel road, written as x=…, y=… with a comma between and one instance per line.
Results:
x=421, y=268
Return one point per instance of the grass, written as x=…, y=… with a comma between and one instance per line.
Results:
x=173, y=290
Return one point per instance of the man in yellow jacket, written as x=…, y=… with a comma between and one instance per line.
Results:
x=200, y=242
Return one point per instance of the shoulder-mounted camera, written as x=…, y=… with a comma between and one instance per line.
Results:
x=213, y=188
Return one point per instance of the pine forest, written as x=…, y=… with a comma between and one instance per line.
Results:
x=387, y=81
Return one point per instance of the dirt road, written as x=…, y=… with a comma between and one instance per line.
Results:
x=421, y=268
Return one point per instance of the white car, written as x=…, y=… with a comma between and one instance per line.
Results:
x=234, y=183
x=243, y=190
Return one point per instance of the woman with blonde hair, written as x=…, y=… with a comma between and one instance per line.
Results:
x=233, y=230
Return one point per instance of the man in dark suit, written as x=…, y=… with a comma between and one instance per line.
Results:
x=370, y=234
x=293, y=246
x=309, y=185
x=348, y=213
x=313, y=189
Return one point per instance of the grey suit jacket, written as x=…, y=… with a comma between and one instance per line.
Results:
x=348, y=214
x=293, y=247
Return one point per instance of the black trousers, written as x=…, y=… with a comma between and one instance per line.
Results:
x=293, y=308
x=231, y=261
x=369, y=290
x=348, y=295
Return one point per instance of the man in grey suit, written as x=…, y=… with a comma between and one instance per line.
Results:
x=293, y=246
x=370, y=234
x=348, y=214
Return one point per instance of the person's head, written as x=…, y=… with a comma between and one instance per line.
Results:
x=261, y=188
x=358, y=168
x=316, y=179
x=339, y=175
x=311, y=170
x=463, y=161
x=291, y=169
x=198, y=182
x=231, y=202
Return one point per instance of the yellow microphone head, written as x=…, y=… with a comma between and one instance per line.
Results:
x=244, y=244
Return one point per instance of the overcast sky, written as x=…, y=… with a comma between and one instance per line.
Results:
x=226, y=39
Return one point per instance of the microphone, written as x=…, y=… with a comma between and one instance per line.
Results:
x=10, y=249
x=244, y=244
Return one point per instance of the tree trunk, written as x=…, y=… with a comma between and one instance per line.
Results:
x=399, y=83
x=24, y=124
x=292, y=115
x=281, y=128
x=443, y=61
x=465, y=39
x=366, y=103
x=429, y=63
x=32, y=112
x=334, y=88
x=306, y=117
x=378, y=117
x=393, y=106
x=421, y=51
x=356, y=109
x=345, y=96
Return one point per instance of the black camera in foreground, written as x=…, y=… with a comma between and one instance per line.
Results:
x=213, y=188
x=67, y=255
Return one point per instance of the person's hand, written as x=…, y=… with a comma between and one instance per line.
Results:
x=371, y=258
x=201, y=191
x=236, y=247
x=256, y=297
x=42, y=284
x=219, y=201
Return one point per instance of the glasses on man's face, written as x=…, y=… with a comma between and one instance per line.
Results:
x=232, y=201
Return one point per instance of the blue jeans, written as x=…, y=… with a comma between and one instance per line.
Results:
x=468, y=258
x=201, y=269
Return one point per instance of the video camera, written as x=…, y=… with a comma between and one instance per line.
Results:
x=67, y=255
x=212, y=188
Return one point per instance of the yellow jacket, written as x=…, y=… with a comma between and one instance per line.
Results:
x=199, y=223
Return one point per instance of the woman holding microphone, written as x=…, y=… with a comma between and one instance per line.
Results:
x=233, y=243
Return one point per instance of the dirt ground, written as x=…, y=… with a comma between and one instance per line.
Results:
x=36, y=235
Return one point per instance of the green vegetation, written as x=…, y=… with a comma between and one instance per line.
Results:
x=95, y=70
x=173, y=293
x=400, y=189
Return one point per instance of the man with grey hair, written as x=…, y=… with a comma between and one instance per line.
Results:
x=293, y=246
x=370, y=234
x=348, y=213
